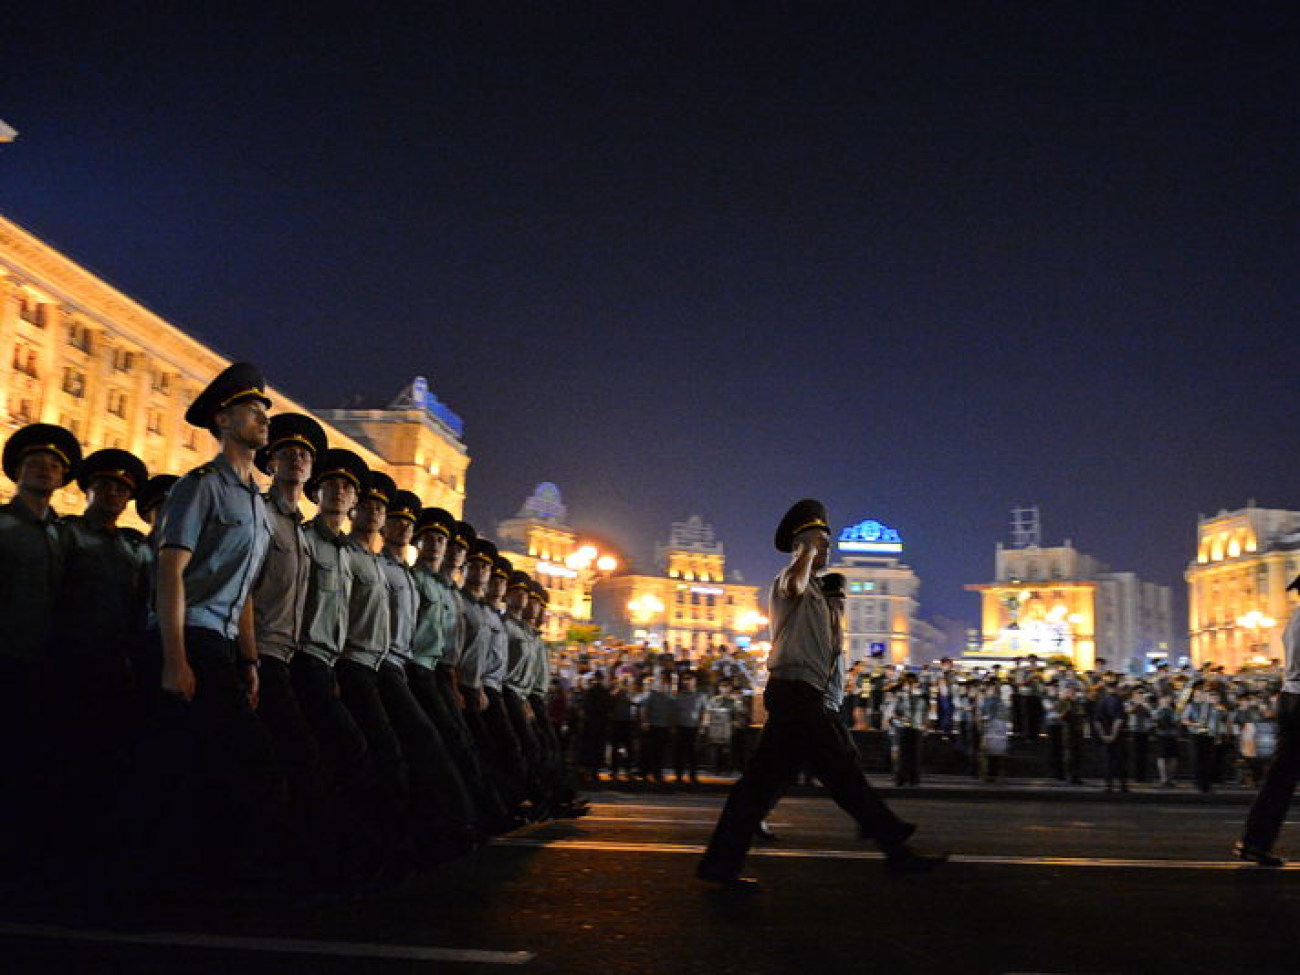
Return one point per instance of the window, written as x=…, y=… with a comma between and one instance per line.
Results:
x=155, y=422
x=70, y=423
x=74, y=382
x=192, y=439
x=78, y=336
x=162, y=382
x=123, y=361
x=29, y=310
x=25, y=360
x=117, y=402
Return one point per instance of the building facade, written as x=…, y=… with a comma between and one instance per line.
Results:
x=689, y=606
x=77, y=352
x=1237, y=593
x=880, y=621
x=1056, y=601
x=539, y=541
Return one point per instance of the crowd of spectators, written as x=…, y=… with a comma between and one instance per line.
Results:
x=629, y=712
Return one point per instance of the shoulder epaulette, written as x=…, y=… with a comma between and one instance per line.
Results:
x=133, y=535
x=203, y=469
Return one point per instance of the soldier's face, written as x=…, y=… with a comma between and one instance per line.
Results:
x=454, y=558
x=336, y=496
x=476, y=574
x=496, y=588
x=369, y=514
x=291, y=464
x=108, y=497
x=41, y=472
x=398, y=531
x=246, y=423
x=433, y=546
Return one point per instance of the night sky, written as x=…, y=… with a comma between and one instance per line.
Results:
x=702, y=261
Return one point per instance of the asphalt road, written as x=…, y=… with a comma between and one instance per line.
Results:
x=1034, y=886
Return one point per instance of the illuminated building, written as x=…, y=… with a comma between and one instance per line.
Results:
x=539, y=541
x=881, y=601
x=689, y=606
x=77, y=352
x=1236, y=587
x=1059, y=602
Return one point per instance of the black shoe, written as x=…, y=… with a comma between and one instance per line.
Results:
x=1254, y=854
x=897, y=839
x=906, y=861
x=724, y=878
x=766, y=833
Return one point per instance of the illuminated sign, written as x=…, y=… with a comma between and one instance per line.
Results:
x=547, y=569
x=870, y=536
x=707, y=590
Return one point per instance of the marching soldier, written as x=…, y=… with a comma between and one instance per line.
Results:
x=803, y=725
x=444, y=823
x=39, y=459
x=279, y=601
x=149, y=499
x=213, y=536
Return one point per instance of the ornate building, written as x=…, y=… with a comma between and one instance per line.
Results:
x=77, y=352
x=688, y=607
x=1236, y=587
x=880, y=607
x=1060, y=602
x=539, y=541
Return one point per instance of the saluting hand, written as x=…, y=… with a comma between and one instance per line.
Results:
x=178, y=678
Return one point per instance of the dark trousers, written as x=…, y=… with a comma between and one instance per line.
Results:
x=1117, y=760
x=654, y=749
x=685, y=762
x=505, y=753
x=909, y=757
x=359, y=691
x=1056, y=751
x=434, y=690
x=299, y=760
x=1264, y=821
x=211, y=764
x=799, y=729
x=1140, y=742
x=440, y=801
x=27, y=760
x=1204, y=761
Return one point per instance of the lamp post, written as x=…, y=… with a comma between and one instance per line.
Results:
x=1255, y=621
x=591, y=565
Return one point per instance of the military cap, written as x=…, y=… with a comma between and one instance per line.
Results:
x=292, y=428
x=238, y=383
x=153, y=493
x=832, y=584
x=519, y=580
x=464, y=534
x=802, y=516
x=1295, y=583
x=502, y=566
x=42, y=436
x=539, y=591
x=121, y=465
x=435, y=520
x=483, y=551
x=379, y=487
x=337, y=462
x=405, y=504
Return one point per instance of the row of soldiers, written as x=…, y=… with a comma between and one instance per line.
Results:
x=244, y=690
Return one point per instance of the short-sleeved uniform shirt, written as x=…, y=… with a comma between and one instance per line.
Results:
x=31, y=571
x=494, y=668
x=436, y=618
x=329, y=583
x=520, y=658
x=280, y=593
x=222, y=522
x=106, y=584
x=477, y=646
x=403, y=605
x=803, y=642
x=369, y=620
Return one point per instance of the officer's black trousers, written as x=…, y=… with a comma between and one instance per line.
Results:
x=1269, y=809
x=799, y=729
x=439, y=797
x=1056, y=751
x=909, y=757
x=359, y=691
x=1117, y=759
x=685, y=761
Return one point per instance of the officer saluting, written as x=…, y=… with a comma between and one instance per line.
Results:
x=803, y=697
x=39, y=459
x=212, y=537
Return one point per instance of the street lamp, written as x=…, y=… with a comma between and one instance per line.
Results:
x=589, y=564
x=1254, y=621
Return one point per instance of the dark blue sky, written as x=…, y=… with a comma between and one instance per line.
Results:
x=693, y=261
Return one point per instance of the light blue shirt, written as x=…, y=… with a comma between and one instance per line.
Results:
x=436, y=619
x=403, y=604
x=223, y=523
